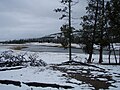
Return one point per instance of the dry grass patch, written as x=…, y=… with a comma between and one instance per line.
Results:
x=18, y=47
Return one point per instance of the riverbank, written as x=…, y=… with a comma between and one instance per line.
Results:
x=54, y=75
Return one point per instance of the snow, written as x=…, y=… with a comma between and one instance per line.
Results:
x=116, y=45
x=44, y=44
x=54, y=44
x=32, y=74
x=47, y=75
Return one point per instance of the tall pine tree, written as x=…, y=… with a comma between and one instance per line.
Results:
x=114, y=17
x=66, y=13
x=94, y=24
x=89, y=25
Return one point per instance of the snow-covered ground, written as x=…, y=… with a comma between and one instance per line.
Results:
x=48, y=75
x=116, y=45
x=54, y=44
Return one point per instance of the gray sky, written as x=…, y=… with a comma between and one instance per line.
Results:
x=32, y=18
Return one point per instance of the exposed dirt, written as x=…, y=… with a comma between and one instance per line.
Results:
x=18, y=47
x=36, y=84
x=92, y=75
x=16, y=83
x=100, y=81
x=110, y=63
x=12, y=68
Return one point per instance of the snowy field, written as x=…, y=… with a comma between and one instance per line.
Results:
x=79, y=77
x=116, y=45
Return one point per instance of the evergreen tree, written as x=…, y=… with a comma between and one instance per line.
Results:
x=65, y=35
x=107, y=26
x=114, y=17
x=89, y=25
x=66, y=13
x=113, y=24
x=94, y=25
x=102, y=30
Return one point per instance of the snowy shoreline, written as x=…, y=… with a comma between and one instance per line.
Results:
x=47, y=75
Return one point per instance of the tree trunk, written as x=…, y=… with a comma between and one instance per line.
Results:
x=119, y=55
x=70, y=55
x=101, y=36
x=114, y=53
x=93, y=37
x=90, y=57
x=109, y=54
x=101, y=54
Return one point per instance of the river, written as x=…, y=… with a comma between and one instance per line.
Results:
x=42, y=48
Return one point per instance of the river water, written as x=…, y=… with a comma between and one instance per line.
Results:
x=40, y=48
x=43, y=48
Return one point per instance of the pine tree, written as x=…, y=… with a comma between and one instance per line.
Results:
x=89, y=25
x=66, y=13
x=107, y=26
x=114, y=17
x=102, y=29
x=94, y=25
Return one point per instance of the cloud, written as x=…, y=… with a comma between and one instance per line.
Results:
x=29, y=18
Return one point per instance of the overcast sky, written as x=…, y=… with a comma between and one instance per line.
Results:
x=32, y=18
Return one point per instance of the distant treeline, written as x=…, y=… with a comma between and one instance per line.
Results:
x=20, y=41
x=77, y=37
